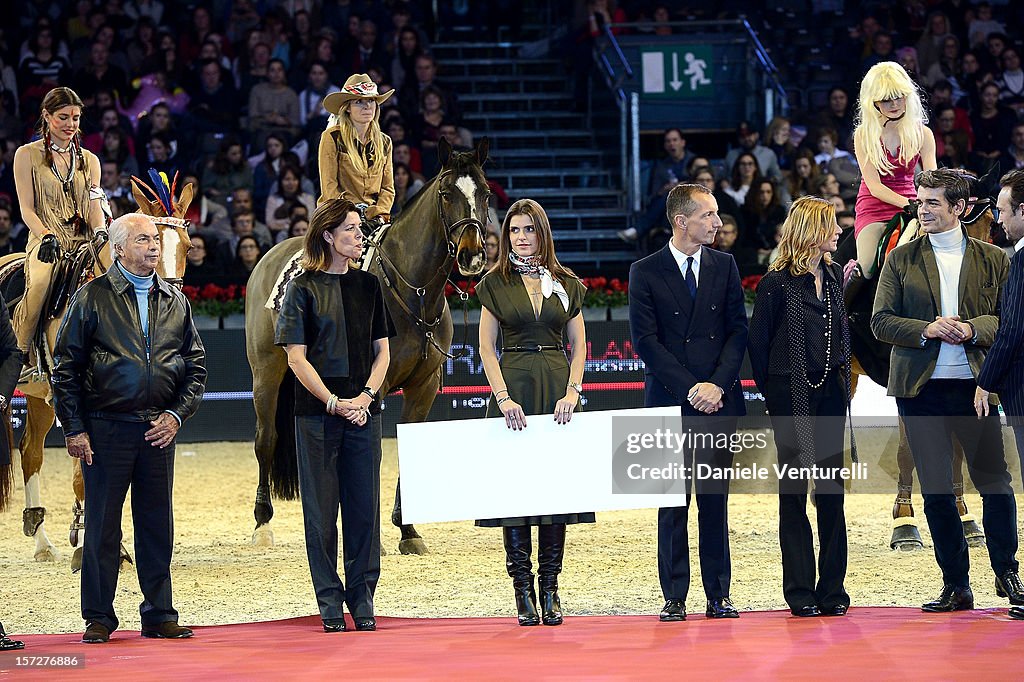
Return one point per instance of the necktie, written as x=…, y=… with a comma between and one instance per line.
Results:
x=691, y=281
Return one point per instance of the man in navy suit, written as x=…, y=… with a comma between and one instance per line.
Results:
x=689, y=326
x=1003, y=371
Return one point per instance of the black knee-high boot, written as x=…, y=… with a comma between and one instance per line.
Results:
x=518, y=548
x=551, y=549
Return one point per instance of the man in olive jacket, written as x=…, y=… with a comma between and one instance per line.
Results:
x=129, y=369
x=938, y=305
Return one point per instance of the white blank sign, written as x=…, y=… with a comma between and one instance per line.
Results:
x=480, y=469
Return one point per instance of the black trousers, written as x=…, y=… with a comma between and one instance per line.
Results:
x=712, y=521
x=945, y=407
x=124, y=458
x=827, y=407
x=339, y=469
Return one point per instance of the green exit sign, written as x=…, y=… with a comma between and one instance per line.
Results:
x=678, y=71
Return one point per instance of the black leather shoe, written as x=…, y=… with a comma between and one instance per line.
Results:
x=169, y=629
x=96, y=633
x=334, y=625
x=952, y=598
x=8, y=644
x=837, y=610
x=1009, y=585
x=673, y=611
x=806, y=611
x=1016, y=613
x=721, y=608
x=365, y=624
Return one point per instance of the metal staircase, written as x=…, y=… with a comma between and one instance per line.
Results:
x=541, y=149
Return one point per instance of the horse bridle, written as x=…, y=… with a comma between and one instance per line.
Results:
x=427, y=328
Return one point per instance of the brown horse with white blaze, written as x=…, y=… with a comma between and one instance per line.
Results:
x=413, y=257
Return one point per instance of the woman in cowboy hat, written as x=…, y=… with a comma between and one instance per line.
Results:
x=355, y=156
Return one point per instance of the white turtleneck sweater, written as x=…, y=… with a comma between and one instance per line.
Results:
x=949, y=248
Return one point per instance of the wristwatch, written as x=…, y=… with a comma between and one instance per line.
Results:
x=576, y=387
x=370, y=392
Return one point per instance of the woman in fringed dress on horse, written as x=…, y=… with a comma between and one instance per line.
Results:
x=60, y=198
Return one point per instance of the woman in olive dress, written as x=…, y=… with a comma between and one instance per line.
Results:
x=533, y=300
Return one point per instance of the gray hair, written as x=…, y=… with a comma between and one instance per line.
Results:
x=118, y=230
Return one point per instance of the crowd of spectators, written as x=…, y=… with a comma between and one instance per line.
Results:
x=227, y=94
x=965, y=57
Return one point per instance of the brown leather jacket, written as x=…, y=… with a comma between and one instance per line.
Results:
x=340, y=180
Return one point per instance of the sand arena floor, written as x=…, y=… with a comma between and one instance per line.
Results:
x=610, y=566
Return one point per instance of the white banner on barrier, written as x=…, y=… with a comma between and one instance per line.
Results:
x=480, y=469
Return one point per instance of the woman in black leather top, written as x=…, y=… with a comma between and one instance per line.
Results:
x=335, y=328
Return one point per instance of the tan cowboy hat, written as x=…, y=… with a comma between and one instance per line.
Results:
x=358, y=86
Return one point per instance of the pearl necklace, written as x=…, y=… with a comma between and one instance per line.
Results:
x=828, y=337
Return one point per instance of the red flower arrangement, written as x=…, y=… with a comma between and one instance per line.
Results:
x=601, y=292
x=216, y=301
x=749, y=284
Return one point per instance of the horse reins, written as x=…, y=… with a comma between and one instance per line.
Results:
x=427, y=328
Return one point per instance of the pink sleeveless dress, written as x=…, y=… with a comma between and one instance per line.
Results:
x=871, y=210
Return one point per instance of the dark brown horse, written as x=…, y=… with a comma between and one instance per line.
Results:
x=443, y=224
x=871, y=358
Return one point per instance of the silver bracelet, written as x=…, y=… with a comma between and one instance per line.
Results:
x=332, y=403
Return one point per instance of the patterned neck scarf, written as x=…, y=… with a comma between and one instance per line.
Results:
x=531, y=265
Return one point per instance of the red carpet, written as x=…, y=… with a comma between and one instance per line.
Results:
x=868, y=644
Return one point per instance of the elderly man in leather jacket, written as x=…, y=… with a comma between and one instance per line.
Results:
x=129, y=370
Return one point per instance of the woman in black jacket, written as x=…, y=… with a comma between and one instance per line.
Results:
x=799, y=347
x=335, y=329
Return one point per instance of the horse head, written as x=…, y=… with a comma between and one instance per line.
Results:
x=168, y=216
x=462, y=201
x=978, y=218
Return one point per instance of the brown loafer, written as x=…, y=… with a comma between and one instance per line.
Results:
x=96, y=633
x=167, y=630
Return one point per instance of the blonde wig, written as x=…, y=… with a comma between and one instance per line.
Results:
x=810, y=222
x=885, y=81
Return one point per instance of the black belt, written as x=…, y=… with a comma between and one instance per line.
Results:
x=139, y=416
x=531, y=349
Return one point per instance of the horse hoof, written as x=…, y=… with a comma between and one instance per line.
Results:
x=905, y=536
x=263, y=537
x=47, y=554
x=973, y=533
x=126, y=558
x=413, y=546
x=76, y=561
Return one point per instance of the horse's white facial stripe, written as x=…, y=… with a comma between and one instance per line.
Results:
x=467, y=186
x=169, y=241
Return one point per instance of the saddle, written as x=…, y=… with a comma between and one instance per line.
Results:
x=70, y=271
x=292, y=268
